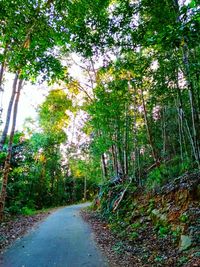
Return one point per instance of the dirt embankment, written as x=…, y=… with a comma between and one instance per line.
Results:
x=155, y=229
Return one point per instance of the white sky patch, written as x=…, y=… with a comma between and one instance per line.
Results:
x=184, y=2
x=74, y=130
x=31, y=97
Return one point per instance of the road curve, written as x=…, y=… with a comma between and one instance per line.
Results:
x=63, y=239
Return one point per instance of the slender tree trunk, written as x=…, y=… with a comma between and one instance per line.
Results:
x=164, y=132
x=193, y=107
x=120, y=159
x=150, y=138
x=139, y=169
x=182, y=141
x=2, y=70
x=9, y=112
x=189, y=135
x=183, y=118
x=135, y=136
x=8, y=158
x=119, y=149
x=194, y=116
x=126, y=149
x=104, y=167
x=197, y=78
x=1, y=75
x=115, y=165
x=180, y=135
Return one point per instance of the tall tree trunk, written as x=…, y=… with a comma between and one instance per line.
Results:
x=183, y=118
x=9, y=112
x=187, y=72
x=104, y=167
x=180, y=129
x=126, y=145
x=149, y=135
x=139, y=169
x=135, y=143
x=164, y=132
x=2, y=70
x=119, y=149
x=1, y=75
x=114, y=156
x=8, y=158
x=194, y=116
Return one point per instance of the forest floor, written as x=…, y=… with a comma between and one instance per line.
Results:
x=121, y=253
x=14, y=227
x=107, y=241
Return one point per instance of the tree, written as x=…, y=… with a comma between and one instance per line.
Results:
x=27, y=56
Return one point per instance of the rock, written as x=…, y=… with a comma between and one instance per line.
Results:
x=185, y=242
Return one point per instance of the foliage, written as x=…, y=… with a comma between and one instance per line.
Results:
x=184, y=218
x=118, y=247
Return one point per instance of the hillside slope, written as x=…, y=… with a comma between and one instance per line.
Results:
x=160, y=228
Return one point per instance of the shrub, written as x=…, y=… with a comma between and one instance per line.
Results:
x=27, y=211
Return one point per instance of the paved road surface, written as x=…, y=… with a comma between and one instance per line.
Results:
x=62, y=240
